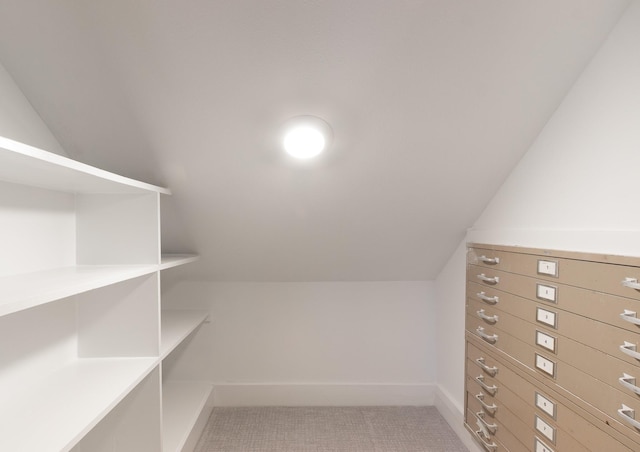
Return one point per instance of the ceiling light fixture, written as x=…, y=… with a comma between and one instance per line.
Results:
x=305, y=137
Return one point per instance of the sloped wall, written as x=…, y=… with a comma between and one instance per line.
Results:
x=19, y=121
x=576, y=188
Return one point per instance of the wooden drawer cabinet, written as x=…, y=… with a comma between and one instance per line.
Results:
x=553, y=349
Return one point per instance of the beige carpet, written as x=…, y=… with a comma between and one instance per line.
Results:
x=328, y=429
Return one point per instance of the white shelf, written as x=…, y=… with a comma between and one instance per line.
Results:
x=182, y=402
x=64, y=380
x=67, y=403
x=173, y=260
x=176, y=326
x=27, y=290
x=27, y=165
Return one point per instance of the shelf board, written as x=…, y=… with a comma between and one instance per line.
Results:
x=182, y=403
x=26, y=290
x=27, y=165
x=176, y=326
x=173, y=260
x=68, y=403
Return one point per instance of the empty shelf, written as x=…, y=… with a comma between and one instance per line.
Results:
x=173, y=260
x=56, y=413
x=27, y=165
x=182, y=403
x=176, y=326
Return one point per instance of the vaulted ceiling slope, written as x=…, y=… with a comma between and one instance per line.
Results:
x=432, y=103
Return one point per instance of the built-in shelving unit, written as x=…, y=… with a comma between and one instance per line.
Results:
x=85, y=338
x=183, y=402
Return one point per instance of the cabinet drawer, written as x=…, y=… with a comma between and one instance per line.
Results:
x=510, y=431
x=574, y=382
x=513, y=262
x=600, y=273
x=611, y=434
x=491, y=444
x=550, y=430
x=521, y=307
x=606, y=337
x=500, y=260
x=482, y=360
x=560, y=349
x=599, y=306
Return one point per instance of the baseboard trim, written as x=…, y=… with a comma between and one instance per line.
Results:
x=451, y=411
x=322, y=394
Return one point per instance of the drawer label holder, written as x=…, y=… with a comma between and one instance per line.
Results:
x=546, y=341
x=547, y=293
x=549, y=318
x=546, y=365
x=546, y=405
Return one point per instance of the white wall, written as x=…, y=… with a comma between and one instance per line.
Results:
x=578, y=185
x=19, y=121
x=320, y=343
x=576, y=188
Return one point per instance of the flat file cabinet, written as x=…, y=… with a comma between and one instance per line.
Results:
x=552, y=350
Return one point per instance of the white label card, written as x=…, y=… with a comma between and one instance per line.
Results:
x=546, y=365
x=548, y=268
x=546, y=341
x=546, y=292
x=545, y=429
x=546, y=317
x=546, y=405
x=542, y=447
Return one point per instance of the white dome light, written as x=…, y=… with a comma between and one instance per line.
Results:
x=306, y=137
x=303, y=142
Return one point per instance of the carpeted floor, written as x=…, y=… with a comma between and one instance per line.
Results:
x=328, y=429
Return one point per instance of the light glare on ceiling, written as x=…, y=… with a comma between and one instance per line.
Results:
x=304, y=142
x=306, y=137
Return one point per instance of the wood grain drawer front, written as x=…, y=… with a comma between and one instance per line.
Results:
x=510, y=430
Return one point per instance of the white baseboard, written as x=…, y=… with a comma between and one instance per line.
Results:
x=451, y=411
x=319, y=394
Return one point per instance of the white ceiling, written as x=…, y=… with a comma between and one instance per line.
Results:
x=432, y=103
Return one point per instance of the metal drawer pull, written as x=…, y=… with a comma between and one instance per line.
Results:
x=489, y=260
x=628, y=382
x=493, y=338
x=491, y=427
x=490, y=408
x=631, y=283
x=630, y=349
x=489, y=279
x=490, y=389
x=490, y=447
x=488, y=318
x=490, y=370
x=484, y=297
x=628, y=415
x=630, y=316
